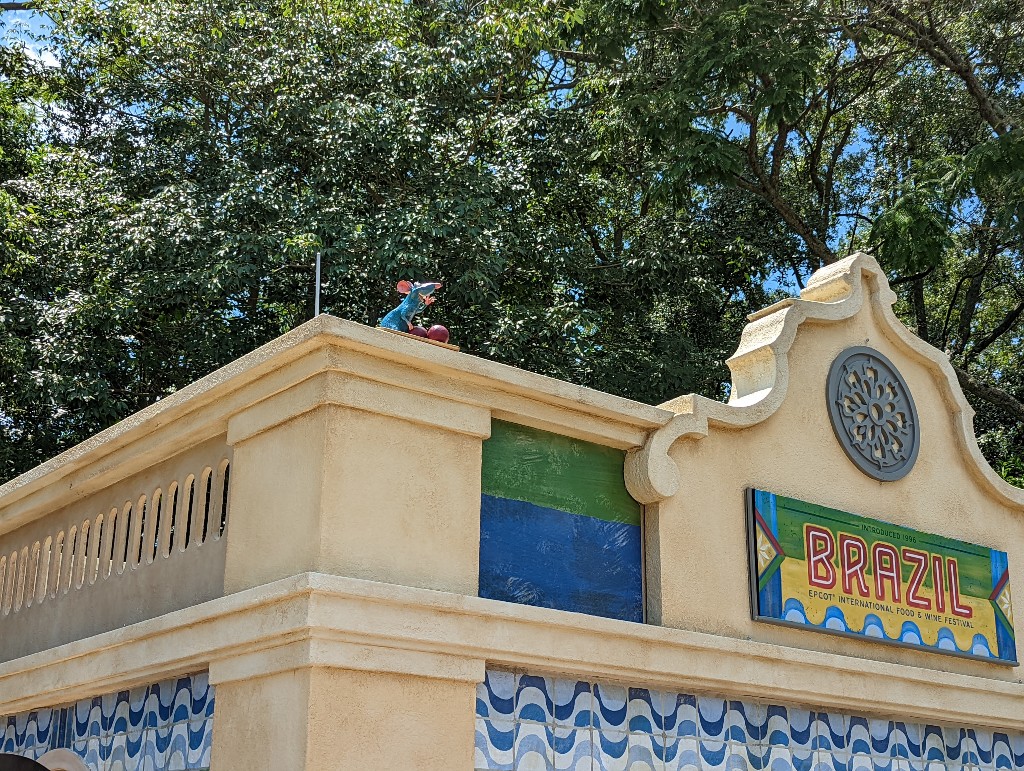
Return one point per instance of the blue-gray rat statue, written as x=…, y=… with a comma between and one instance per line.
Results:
x=418, y=297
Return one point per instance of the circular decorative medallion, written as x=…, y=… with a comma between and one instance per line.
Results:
x=873, y=413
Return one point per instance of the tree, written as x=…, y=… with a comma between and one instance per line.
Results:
x=190, y=161
x=890, y=126
x=605, y=188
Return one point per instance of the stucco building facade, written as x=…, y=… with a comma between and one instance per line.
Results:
x=355, y=550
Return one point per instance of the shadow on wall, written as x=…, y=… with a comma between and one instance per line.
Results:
x=57, y=760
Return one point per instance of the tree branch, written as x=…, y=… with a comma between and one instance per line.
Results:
x=908, y=279
x=830, y=176
x=971, y=299
x=932, y=42
x=578, y=56
x=1004, y=326
x=778, y=150
x=920, y=310
x=595, y=242
x=766, y=190
x=997, y=397
x=944, y=339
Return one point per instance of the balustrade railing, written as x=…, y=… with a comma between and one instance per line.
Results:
x=132, y=551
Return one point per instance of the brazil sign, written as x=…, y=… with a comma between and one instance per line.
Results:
x=836, y=572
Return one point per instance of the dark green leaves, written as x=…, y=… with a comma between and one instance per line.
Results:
x=995, y=169
x=912, y=234
x=605, y=187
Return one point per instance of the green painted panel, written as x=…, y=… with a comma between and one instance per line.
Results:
x=558, y=472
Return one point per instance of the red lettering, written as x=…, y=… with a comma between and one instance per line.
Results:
x=954, y=591
x=820, y=548
x=853, y=557
x=885, y=563
x=920, y=561
x=938, y=578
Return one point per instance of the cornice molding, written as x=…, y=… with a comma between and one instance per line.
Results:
x=313, y=620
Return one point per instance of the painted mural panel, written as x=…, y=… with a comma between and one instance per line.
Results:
x=537, y=722
x=557, y=527
x=847, y=574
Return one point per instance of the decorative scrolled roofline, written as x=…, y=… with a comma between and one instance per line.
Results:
x=760, y=377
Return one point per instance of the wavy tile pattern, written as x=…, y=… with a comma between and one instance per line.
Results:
x=166, y=726
x=527, y=722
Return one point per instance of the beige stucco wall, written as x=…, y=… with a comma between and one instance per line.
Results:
x=352, y=720
x=702, y=530
x=350, y=492
x=352, y=556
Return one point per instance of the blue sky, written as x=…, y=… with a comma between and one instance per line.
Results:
x=27, y=27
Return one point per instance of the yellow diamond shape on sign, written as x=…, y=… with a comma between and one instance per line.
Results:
x=765, y=551
x=1003, y=600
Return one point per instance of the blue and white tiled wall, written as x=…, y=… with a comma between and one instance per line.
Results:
x=535, y=723
x=167, y=726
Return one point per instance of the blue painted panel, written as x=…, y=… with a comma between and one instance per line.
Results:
x=539, y=556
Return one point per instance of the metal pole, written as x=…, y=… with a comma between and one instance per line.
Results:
x=316, y=294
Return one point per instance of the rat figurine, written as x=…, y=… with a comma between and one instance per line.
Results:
x=418, y=297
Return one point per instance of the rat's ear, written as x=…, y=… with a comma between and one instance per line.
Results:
x=404, y=287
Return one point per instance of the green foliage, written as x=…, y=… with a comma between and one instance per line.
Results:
x=912, y=233
x=995, y=170
x=191, y=161
x=892, y=127
x=606, y=188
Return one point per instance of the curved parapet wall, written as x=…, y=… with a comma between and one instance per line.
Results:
x=834, y=403
x=761, y=376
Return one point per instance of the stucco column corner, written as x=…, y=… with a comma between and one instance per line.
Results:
x=334, y=706
x=347, y=475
